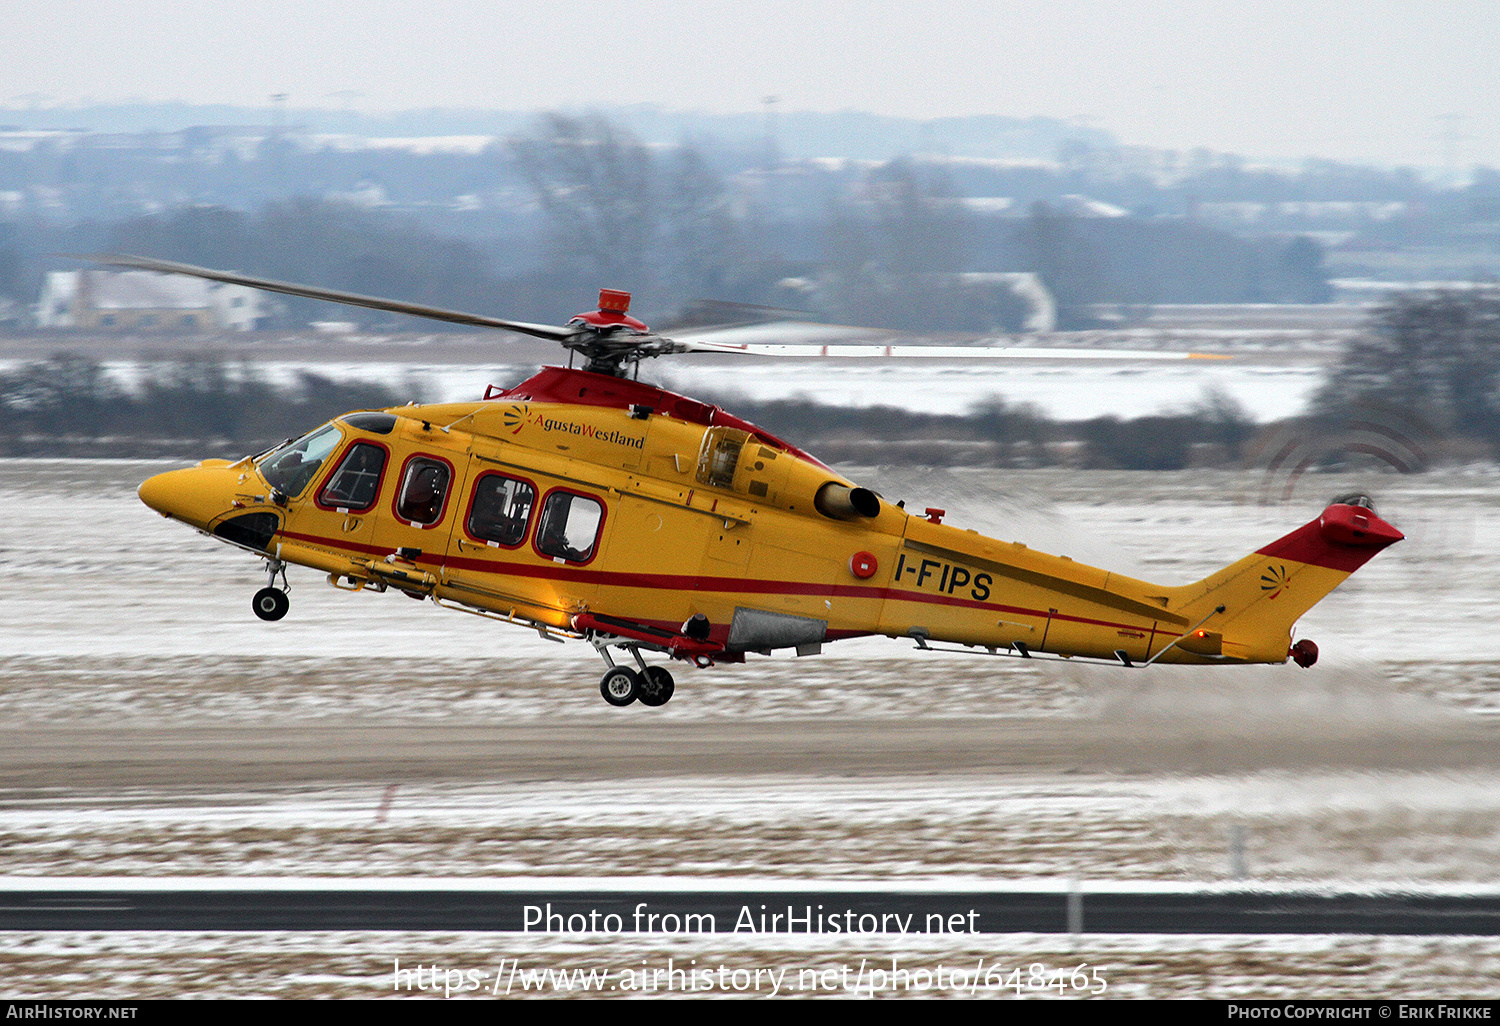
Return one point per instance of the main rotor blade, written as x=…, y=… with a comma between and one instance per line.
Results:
x=141, y=263
x=804, y=351
x=842, y=341
x=782, y=332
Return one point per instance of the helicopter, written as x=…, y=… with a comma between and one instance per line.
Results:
x=586, y=504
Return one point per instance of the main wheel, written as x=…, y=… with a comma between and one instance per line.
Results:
x=270, y=604
x=656, y=686
x=620, y=685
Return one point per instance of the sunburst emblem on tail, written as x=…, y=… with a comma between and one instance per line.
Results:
x=1273, y=580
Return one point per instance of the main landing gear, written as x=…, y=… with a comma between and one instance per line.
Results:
x=621, y=685
x=271, y=603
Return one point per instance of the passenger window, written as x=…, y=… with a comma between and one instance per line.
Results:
x=569, y=527
x=356, y=482
x=501, y=510
x=423, y=491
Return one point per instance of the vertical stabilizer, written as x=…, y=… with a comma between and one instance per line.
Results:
x=1264, y=593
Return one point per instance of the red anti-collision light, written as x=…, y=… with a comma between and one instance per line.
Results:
x=863, y=565
x=614, y=301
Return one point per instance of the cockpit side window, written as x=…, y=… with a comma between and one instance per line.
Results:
x=569, y=526
x=424, y=491
x=356, y=483
x=292, y=466
x=501, y=510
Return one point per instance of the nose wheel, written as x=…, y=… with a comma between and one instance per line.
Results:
x=271, y=603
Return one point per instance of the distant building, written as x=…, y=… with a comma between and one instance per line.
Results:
x=145, y=301
x=1041, y=304
x=1025, y=286
x=1071, y=205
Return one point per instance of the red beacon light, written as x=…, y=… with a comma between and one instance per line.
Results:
x=614, y=301
x=613, y=304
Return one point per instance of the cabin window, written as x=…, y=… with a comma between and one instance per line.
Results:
x=292, y=466
x=501, y=510
x=424, y=489
x=356, y=482
x=569, y=527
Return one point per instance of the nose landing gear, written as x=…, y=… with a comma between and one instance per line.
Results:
x=271, y=603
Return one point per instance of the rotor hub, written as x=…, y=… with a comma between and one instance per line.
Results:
x=608, y=338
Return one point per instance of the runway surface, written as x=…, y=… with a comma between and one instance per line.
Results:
x=42, y=757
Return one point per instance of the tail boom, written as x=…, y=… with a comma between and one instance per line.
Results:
x=959, y=587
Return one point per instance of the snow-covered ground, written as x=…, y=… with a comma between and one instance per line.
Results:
x=93, y=574
x=1320, y=828
x=126, y=966
x=1267, y=389
x=114, y=620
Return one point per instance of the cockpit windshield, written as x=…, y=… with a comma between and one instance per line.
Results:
x=289, y=468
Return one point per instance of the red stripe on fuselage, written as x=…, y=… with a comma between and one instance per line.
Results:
x=690, y=583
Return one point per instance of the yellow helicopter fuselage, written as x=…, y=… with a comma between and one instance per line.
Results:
x=592, y=506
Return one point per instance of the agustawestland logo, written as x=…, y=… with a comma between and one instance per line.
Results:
x=1273, y=580
x=515, y=417
x=519, y=416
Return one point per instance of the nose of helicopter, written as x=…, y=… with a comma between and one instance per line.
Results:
x=195, y=496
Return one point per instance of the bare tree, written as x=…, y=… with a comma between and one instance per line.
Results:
x=596, y=184
x=922, y=225
x=893, y=255
x=1436, y=353
x=705, y=245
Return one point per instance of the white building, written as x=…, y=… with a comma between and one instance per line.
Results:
x=145, y=301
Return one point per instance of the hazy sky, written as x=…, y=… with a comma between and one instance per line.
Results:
x=1375, y=80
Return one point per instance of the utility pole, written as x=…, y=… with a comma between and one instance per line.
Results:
x=1450, y=137
x=276, y=173
x=773, y=155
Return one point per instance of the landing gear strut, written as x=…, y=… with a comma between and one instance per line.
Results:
x=271, y=603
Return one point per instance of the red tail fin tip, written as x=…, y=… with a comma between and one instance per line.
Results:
x=1356, y=525
x=1342, y=538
